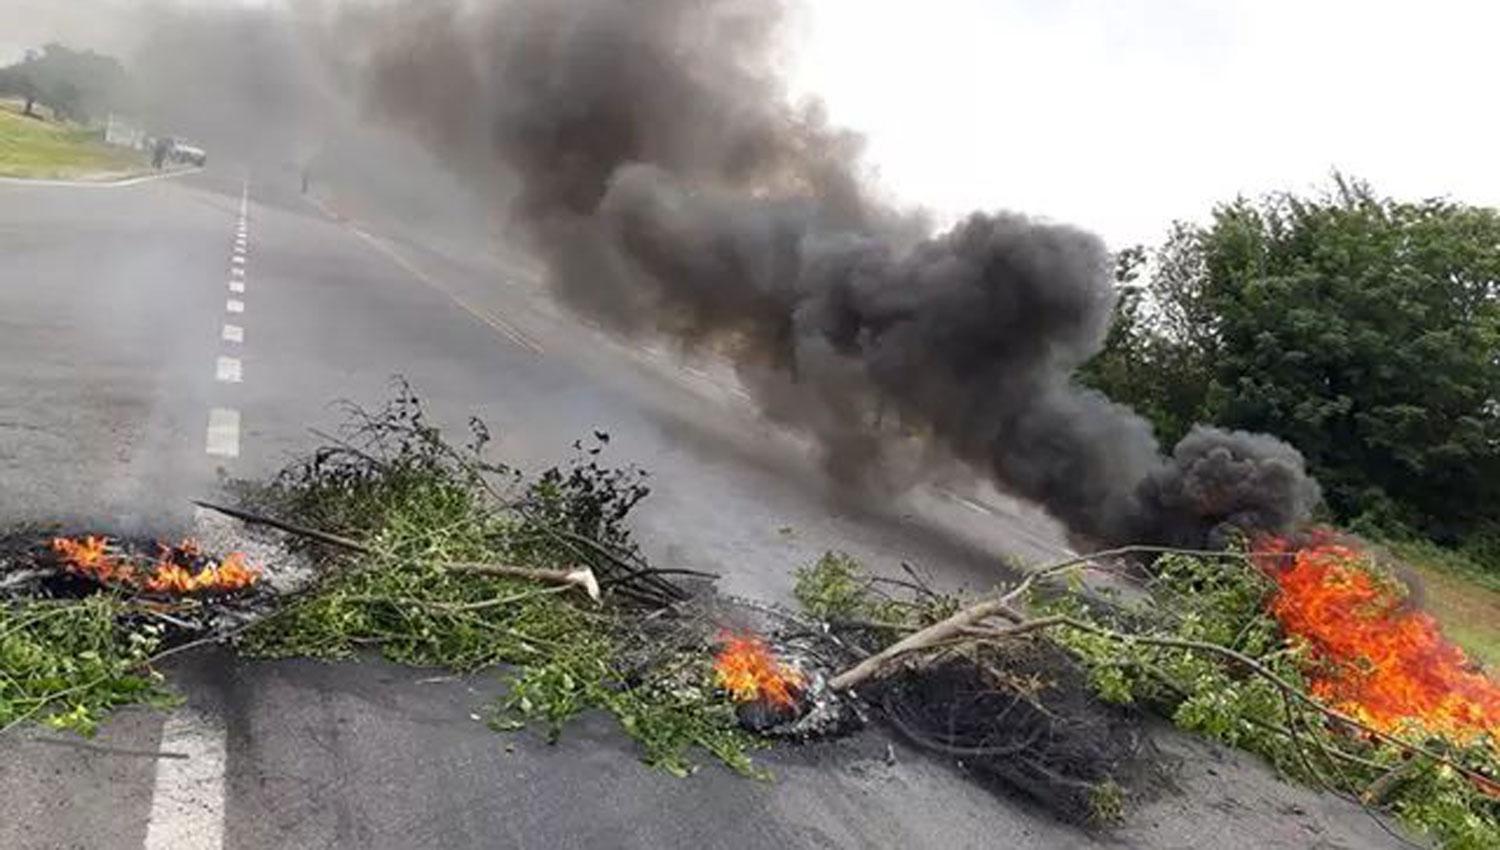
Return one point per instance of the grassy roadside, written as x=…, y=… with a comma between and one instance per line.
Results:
x=41, y=149
x=1463, y=597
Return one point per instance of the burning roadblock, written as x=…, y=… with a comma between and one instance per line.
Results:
x=1047, y=688
x=186, y=592
x=85, y=621
x=856, y=324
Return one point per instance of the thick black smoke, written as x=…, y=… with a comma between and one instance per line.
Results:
x=671, y=190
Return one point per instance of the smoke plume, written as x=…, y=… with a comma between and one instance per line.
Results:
x=671, y=189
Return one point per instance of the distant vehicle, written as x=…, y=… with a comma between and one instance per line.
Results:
x=189, y=154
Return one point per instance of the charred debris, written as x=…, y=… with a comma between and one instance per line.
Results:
x=389, y=538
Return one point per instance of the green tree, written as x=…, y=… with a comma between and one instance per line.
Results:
x=14, y=82
x=74, y=84
x=1363, y=330
x=1155, y=353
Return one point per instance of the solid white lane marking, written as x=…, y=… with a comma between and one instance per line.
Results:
x=237, y=286
x=228, y=370
x=187, y=802
x=234, y=305
x=990, y=510
x=99, y=184
x=234, y=333
x=223, y=432
x=972, y=505
x=510, y=332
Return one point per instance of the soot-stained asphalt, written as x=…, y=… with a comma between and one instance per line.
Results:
x=115, y=320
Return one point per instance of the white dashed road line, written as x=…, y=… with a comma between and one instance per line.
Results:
x=224, y=432
x=228, y=370
x=187, y=801
x=223, y=438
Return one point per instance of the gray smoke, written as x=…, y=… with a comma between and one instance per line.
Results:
x=671, y=190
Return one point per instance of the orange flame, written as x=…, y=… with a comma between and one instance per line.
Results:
x=746, y=668
x=90, y=557
x=1374, y=656
x=172, y=572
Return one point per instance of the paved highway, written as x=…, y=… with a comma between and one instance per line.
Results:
x=156, y=336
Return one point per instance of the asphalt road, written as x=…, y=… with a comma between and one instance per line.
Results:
x=113, y=303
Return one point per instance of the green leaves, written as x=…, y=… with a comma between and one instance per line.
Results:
x=1222, y=601
x=67, y=664
x=837, y=589
x=833, y=588
x=394, y=483
x=1361, y=329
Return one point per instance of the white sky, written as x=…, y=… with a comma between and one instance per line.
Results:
x=1118, y=115
x=1122, y=115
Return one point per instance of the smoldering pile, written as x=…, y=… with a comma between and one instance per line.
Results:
x=188, y=592
x=1022, y=720
x=648, y=153
x=1019, y=717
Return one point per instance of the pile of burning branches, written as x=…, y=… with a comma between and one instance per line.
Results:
x=84, y=620
x=420, y=549
x=1305, y=650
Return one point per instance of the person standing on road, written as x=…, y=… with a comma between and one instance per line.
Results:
x=159, y=153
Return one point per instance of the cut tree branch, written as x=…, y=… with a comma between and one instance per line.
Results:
x=955, y=626
x=968, y=624
x=581, y=578
x=288, y=527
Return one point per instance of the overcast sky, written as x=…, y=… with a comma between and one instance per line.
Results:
x=1122, y=115
x=1119, y=115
